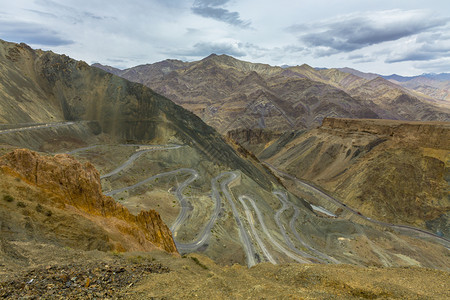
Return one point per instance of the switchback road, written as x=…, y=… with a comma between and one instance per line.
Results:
x=34, y=127
x=443, y=241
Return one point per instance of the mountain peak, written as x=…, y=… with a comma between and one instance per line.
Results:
x=219, y=57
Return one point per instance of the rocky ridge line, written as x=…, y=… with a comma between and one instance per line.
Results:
x=428, y=134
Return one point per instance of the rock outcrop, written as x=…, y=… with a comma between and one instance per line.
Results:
x=427, y=134
x=77, y=187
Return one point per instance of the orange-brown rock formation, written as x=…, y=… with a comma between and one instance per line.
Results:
x=77, y=187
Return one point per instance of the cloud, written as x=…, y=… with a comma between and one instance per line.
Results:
x=42, y=13
x=211, y=9
x=31, y=33
x=213, y=3
x=425, y=47
x=361, y=58
x=203, y=49
x=74, y=13
x=294, y=49
x=441, y=65
x=358, y=30
x=416, y=56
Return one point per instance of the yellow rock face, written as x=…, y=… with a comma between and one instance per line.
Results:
x=77, y=186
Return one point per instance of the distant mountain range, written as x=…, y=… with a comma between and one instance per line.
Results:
x=436, y=86
x=395, y=77
x=233, y=95
x=433, y=76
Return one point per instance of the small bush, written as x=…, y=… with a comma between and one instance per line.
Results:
x=8, y=198
x=48, y=213
x=116, y=253
x=21, y=204
x=140, y=260
x=195, y=259
x=39, y=208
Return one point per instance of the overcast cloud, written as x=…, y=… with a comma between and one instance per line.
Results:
x=214, y=9
x=403, y=37
x=358, y=30
x=33, y=33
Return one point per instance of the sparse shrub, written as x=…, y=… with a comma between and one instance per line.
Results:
x=195, y=259
x=8, y=198
x=116, y=253
x=21, y=204
x=39, y=208
x=140, y=260
x=48, y=213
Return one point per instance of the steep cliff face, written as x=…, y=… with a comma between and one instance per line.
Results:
x=253, y=140
x=76, y=187
x=425, y=134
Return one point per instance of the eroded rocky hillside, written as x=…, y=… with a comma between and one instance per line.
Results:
x=394, y=171
x=233, y=95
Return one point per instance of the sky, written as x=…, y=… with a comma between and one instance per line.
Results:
x=385, y=37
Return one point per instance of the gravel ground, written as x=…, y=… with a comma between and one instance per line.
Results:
x=78, y=281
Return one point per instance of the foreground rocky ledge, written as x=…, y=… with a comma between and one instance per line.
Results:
x=157, y=275
x=76, y=187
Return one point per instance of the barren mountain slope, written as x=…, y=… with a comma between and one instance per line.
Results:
x=230, y=94
x=429, y=87
x=216, y=198
x=437, y=89
x=233, y=95
x=39, y=86
x=390, y=100
x=394, y=171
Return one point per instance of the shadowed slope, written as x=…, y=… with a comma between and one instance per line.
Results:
x=58, y=88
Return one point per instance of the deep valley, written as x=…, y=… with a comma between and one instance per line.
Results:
x=265, y=181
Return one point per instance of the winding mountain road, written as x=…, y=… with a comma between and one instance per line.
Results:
x=184, y=204
x=34, y=127
x=136, y=155
x=206, y=232
x=443, y=241
x=267, y=233
x=225, y=179
x=248, y=246
x=249, y=215
x=285, y=205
